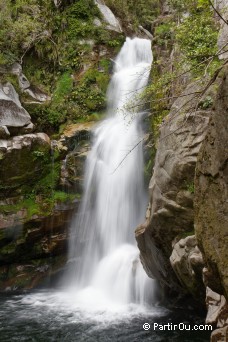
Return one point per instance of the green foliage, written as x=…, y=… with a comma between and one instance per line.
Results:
x=63, y=87
x=197, y=37
x=89, y=94
x=164, y=33
x=141, y=12
x=206, y=103
x=190, y=187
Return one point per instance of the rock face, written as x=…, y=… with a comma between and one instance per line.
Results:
x=211, y=193
x=34, y=232
x=76, y=140
x=171, y=187
x=220, y=335
x=187, y=262
x=21, y=159
x=32, y=251
x=12, y=114
x=217, y=307
x=222, y=6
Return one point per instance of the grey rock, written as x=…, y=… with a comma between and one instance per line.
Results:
x=12, y=114
x=220, y=335
x=23, y=82
x=215, y=306
x=170, y=188
x=222, y=6
x=4, y=132
x=211, y=193
x=187, y=263
x=97, y=22
x=109, y=17
x=37, y=94
x=146, y=32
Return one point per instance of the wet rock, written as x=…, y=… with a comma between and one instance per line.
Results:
x=187, y=262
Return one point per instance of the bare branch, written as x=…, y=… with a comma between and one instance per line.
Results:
x=218, y=13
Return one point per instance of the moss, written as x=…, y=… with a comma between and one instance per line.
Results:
x=63, y=87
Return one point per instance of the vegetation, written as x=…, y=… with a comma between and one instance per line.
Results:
x=141, y=12
x=192, y=39
x=55, y=49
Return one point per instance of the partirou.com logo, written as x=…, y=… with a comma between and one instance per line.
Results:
x=180, y=326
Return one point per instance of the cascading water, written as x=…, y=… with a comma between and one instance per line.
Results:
x=108, y=280
x=106, y=267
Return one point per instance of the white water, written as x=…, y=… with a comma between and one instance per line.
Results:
x=105, y=268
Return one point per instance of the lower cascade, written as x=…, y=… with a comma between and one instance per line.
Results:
x=105, y=270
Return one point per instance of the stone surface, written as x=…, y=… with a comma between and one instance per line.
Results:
x=216, y=308
x=12, y=114
x=4, y=132
x=37, y=94
x=211, y=194
x=34, y=249
x=220, y=335
x=172, y=185
x=21, y=159
x=76, y=140
x=222, y=6
x=109, y=17
x=148, y=35
x=187, y=262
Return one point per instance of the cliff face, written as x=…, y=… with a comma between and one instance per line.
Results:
x=171, y=187
x=211, y=194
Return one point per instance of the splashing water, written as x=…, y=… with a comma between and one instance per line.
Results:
x=105, y=266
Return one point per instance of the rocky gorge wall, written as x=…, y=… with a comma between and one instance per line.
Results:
x=183, y=242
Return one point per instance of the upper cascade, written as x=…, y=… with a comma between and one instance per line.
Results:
x=133, y=52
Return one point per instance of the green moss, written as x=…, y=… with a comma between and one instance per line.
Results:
x=63, y=87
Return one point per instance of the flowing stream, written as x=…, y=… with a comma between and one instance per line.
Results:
x=106, y=269
x=106, y=292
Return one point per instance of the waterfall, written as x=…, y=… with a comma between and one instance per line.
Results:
x=105, y=266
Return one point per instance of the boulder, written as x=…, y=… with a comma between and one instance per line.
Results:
x=109, y=17
x=187, y=262
x=12, y=114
